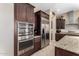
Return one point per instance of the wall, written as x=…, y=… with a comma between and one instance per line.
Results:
x=6, y=29
x=71, y=17
x=76, y=15
x=66, y=18
x=74, y=20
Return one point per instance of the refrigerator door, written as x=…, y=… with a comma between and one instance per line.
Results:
x=44, y=32
x=43, y=35
x=47, y=34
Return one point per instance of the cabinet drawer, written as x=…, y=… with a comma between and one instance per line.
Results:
x=37, y=44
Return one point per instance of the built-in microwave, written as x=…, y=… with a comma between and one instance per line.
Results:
x=25, y=32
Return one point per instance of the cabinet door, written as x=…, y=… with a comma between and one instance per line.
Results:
x=30, y=14
x=58, y=24
x=37, y=44
x=62, y=23
x=20, y=11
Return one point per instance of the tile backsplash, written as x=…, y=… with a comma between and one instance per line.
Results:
x=72, y=27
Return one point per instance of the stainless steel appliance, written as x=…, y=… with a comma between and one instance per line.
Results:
x=44, y=32
x=25, y=36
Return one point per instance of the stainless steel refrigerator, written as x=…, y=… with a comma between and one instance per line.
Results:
x=44, y=32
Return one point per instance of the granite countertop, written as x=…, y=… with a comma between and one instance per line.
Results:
x=69, y=33
x=69, y=43
x=37, y=36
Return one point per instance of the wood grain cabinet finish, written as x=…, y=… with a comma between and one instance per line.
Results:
x=30, y=14
x=58, y=36
x=60, y=23
x=24, y=12
x=62, y=52
x=37, y=44
x=20, y=11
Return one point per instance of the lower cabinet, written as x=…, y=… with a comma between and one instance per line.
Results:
x=58, y=36
x=37, y=44
x=62, y=52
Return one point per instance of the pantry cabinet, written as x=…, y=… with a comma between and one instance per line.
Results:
x=23, y=12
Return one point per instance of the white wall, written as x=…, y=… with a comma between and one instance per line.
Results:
x=6, y=29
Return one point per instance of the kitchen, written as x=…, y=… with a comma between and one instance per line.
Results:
x=35, y=29
x=68, y=33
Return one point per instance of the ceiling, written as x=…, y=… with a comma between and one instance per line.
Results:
x=58, y=8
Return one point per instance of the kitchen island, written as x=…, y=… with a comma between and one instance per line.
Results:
x=62, y=34
x=67, y=46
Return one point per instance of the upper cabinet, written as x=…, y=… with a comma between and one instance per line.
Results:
x=60, y=23
x=24, y=12
x=20, y=11
x=30, y=13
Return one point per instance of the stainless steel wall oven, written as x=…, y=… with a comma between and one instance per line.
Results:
x=25, y=32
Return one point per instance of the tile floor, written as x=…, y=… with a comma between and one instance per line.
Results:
x=47, y=51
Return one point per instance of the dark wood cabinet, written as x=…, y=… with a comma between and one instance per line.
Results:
x=60, y=23
x=20, y=11
x=38, y=18
x=30, y=14
x=58, y=36
x=37, y=44
x=62, y=52
x=24, y=12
